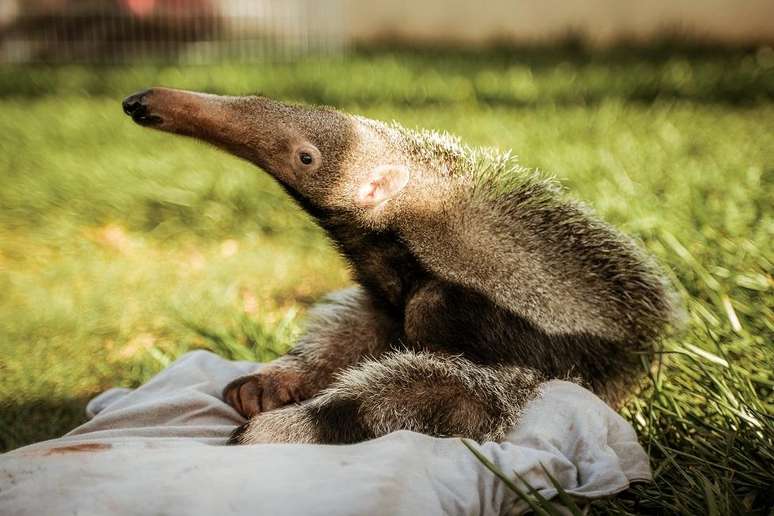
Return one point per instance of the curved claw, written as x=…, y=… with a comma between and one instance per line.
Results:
x=244, y=394
x=270, y=388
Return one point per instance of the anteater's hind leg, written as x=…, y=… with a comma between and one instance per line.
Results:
x=430, y=393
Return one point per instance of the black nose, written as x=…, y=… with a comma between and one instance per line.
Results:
x=136, y=106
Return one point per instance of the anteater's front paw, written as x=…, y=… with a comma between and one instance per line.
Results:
x=270, y=388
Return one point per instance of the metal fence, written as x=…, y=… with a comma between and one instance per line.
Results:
x=180, y=31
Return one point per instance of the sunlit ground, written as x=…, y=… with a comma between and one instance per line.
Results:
x=121, y=248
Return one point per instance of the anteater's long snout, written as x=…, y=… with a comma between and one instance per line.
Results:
x=178, y=111
x=223, y=121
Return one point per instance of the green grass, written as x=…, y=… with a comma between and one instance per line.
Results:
x=121, y=248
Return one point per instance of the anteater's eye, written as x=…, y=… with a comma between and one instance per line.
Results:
x=306, y=158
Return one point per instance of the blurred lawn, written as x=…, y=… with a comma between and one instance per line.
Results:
x=121, y=248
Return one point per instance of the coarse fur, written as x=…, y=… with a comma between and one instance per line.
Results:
x=477, y=279
x=425, y=392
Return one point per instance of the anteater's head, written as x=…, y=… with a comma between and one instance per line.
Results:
x=333, y=163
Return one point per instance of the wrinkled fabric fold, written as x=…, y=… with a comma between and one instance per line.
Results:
x=158, y=449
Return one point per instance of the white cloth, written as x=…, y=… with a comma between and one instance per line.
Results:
x=157, y=450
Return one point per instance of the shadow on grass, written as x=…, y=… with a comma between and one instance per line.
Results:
x=37, y=420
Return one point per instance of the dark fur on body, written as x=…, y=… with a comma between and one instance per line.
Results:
x=477, y=279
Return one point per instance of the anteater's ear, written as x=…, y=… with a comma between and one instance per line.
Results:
x=382, y=184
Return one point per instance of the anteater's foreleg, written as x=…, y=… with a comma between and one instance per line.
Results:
x=343, y=330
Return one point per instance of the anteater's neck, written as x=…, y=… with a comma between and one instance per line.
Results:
x=382, y=264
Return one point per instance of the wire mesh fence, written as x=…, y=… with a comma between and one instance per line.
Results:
x=180, y=31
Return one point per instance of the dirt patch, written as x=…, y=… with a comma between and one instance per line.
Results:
x=79, y=448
